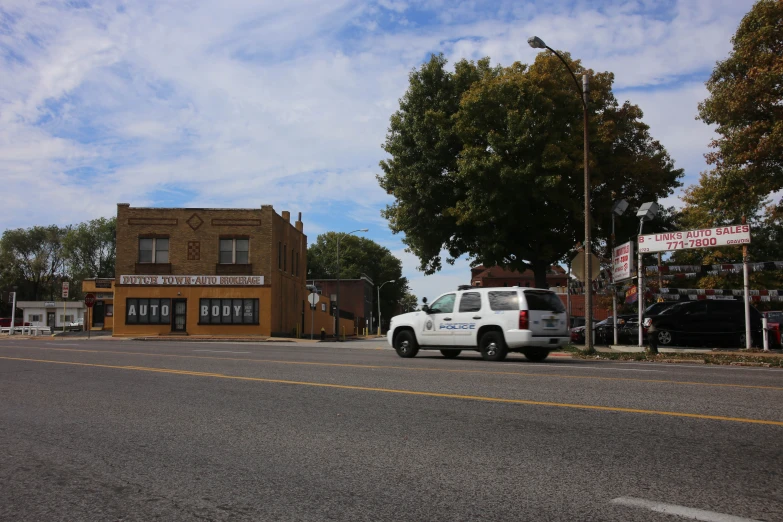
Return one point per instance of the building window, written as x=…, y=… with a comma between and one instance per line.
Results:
x=146, y=311
x=292, y=261
x=297, y=264
x=228, y=311
x=234, y=251
x=68, y=319
x=285, y=260
x=279, y=255
x=153, y=250
x=109, y=311
x=35, y=318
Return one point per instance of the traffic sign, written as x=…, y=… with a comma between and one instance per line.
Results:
x=66, y=287
x=313, y=299
x=89, y=300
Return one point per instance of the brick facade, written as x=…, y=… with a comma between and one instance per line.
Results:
x=194, y=236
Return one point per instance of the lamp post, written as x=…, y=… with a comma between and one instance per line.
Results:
x=645, y=213
x=337, y=301
x=379, y=304
x=537, y=43
x=618, y=208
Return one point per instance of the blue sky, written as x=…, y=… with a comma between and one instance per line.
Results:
x=240, y=103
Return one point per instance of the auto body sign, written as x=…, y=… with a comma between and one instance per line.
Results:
x=622, y=262
x=688, y=239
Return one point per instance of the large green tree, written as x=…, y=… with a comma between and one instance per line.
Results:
x=32, y=260
x=89, y=249
x=488, y=162
x=746, y=105
x=359, y=255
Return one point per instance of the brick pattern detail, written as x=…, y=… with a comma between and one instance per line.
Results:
x=236, y=222
x=195, y=222
x=194, y=250
x=151, y=221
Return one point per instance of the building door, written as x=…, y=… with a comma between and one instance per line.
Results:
x=50, y=319
x=97, y=313
x=180, y=314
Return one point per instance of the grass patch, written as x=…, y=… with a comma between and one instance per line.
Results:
x=750, y=358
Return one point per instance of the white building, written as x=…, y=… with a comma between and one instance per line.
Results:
x=51, y=313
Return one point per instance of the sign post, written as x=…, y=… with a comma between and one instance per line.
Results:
x=13, y=314
x=702, y=238
x=66, y=288
x=622, y=257
x=313, y=300
x=89, y=302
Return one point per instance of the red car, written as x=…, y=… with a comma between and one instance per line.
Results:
x=774, y=320
x=5, y=322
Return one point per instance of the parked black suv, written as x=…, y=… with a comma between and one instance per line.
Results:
x=708, y=322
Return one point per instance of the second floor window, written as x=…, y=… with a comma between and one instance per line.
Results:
x=234, y=251
x=153, y=250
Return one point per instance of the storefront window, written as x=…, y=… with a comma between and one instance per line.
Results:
x=147, y=311
x=228, y=311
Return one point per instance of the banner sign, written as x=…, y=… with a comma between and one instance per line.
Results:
x=66, y=288
x=622, y=262
x=630, y=295
x=191, y=280
x=688, y=239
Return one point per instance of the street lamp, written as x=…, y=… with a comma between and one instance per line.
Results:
x=618, y=209
x=646, y=212
x=379, y=304
x=337, y=301
x=537, y=43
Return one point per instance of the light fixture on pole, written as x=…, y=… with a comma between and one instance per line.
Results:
x=337, y=301
x=618, y=209
x=646, y=212
x=379, y=304
x=537, y=43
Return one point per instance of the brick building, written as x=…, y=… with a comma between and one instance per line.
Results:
x=205, y=271
x=499, y=276
x=356, y=298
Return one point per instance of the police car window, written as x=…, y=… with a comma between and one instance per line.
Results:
x=470, y=302
x=537, y=300
x=503, y=301
x=444, y=305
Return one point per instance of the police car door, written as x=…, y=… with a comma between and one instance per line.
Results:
x=437, y=329
x=467, y=319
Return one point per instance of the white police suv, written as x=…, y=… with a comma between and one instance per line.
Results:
x=493, y=321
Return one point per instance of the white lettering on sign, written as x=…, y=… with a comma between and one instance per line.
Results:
x=204, y=311
x=622, y=262
x=226, y=311
x=689, y=239
x=191, y=280
x=131, y=310
x=164, y=310
x=215, y=310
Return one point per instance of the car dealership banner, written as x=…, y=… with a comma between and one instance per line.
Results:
x=191, y=280
x=688, y=239
x=622, y=262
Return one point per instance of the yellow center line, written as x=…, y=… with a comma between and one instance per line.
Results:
x=410, y=392
x=414, y=369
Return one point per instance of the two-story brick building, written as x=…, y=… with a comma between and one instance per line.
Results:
x=200, y=271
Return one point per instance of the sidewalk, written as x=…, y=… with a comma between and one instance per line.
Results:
x=702, y=351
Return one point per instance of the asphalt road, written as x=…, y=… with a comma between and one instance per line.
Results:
x=122, y=430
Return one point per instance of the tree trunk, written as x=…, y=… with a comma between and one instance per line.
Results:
x=540, y=269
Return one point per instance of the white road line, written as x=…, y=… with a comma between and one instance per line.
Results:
x=680, y=511
x=218, y=351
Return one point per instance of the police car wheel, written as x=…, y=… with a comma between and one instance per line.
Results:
x=493, y=347
x=405, y=344
x=535, y=354
x=450, y=354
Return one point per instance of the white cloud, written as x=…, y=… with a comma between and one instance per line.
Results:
x=240, y=103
